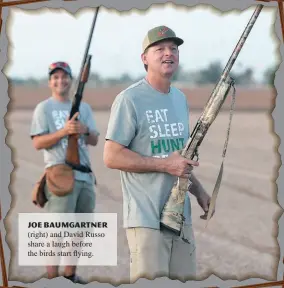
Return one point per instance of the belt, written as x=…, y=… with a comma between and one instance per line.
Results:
x=81, y=168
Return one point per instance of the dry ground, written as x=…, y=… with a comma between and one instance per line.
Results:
x=258, y=99
x=239, y=242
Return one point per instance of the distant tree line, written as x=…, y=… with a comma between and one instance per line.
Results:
x=211, y=74
x=208, y=75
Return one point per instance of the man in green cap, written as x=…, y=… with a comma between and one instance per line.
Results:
x=148, y=125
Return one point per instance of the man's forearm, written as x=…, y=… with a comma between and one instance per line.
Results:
x=48, y=140
x=196, y=188
x=92, y=139
x=129, y=161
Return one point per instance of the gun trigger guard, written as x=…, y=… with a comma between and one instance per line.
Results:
x=196, y=155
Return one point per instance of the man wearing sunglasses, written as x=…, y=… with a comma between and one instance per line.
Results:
x=50, y=129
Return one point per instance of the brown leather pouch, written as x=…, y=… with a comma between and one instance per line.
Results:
x=60, y=179
x=38, y=194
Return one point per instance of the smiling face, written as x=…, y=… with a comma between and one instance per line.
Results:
x=162, y=58
x=60, y=83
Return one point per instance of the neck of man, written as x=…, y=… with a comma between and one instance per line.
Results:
x=162, y=84
x=61, y=97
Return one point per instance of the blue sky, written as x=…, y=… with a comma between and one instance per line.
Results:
x=39, y=38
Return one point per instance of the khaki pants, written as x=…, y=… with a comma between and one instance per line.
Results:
x=160, y=253
x=81, y=200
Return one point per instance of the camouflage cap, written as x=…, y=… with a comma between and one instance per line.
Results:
x=158, y=34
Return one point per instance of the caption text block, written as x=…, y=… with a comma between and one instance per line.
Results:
x=67, y=239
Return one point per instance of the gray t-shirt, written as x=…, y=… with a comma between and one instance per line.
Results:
x=155, y=125
x=51, y=115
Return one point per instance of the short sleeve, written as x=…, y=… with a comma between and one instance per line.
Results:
x=39, y=124
x=122, y=122
x=90, y=121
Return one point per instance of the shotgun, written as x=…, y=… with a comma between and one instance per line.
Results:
x=172, y=214
x=72, y=153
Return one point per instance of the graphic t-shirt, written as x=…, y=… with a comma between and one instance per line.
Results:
x=50, y=116
x=152, y=124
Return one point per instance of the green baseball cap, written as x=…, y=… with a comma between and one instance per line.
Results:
x=158, y=34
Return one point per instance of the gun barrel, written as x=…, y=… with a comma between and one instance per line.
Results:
x=225, y=74
x=88, y=44
x=241, y=42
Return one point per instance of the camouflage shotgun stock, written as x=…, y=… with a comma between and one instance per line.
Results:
x=172, y=213
x=72, y=154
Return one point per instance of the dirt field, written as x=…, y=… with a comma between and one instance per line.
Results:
x=257, y=99
x=239, y=242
